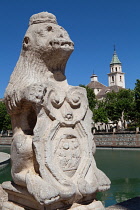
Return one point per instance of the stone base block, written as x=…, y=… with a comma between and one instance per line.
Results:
x=11, y=206
x=20, y=199
x=20, y=196
x=95, y=205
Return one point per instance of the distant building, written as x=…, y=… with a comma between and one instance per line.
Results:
x=1, y=99
x=116, y=76
x=116, y=79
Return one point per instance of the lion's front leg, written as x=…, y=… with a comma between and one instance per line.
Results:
x=21, y=157
x=23, y=171
x=44, y=192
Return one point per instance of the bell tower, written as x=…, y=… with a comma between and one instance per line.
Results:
x=116, y=76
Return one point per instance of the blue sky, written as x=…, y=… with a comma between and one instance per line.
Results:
x=94, y=26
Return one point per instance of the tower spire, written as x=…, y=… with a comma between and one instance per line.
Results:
x=114, y=48
x=115, y=59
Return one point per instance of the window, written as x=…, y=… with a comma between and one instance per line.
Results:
x=120, y=78
x=107, y=91
x=112, y=78
x=116, y=68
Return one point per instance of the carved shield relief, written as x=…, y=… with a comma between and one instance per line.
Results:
x=67, y=153
x=63, y=144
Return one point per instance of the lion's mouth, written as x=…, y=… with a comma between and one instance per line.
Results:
x=62, y=44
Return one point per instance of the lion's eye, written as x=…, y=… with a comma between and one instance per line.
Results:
x=26, y=40
x=49, y=28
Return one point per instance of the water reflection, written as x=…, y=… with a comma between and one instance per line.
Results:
x=122, y=167
x=5, y=149
x=5, y=173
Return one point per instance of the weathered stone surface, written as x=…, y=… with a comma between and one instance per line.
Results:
x=3, y=196
x=10, y=206
x=53, y=147
x=95, y=205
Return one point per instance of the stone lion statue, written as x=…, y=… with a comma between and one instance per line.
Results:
x=52, y=149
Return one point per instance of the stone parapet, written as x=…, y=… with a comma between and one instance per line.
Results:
x=117, y=140
x=6, y=140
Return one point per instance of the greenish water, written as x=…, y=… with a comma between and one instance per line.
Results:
x=5, y=149
x=5, y=173
x=121, y=166
x=123, y=169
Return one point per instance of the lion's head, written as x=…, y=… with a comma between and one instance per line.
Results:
x=45, y=51
x=48, y=41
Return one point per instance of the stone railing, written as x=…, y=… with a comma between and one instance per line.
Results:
x=127, y=139
x=5, y=140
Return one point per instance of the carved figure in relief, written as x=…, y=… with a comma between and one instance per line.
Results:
x=53, y=147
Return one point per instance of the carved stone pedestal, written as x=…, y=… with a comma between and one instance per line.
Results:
x=95, y=205
x=20, y=199
x=19, y=196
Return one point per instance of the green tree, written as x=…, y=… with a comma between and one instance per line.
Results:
x=137, y=101
x=126, y=104
x=111, y=107
x=100, y=113
x=120, y=105
x=91, y=97
x=5, y=121
x=117, y=106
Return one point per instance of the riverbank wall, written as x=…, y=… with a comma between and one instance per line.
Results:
x=110, y=140
x=5, y=140
x=118, y=140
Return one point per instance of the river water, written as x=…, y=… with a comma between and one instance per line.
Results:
x=123, y=169
x=121, y=166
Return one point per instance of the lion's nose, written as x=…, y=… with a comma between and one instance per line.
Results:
x=61, y=36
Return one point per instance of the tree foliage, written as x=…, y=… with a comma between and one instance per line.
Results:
x=91, y=97
x=111, y=107
x=100, y=113
x=120, y=105
x=116, y=106
x=5, y=121
x=137, y=101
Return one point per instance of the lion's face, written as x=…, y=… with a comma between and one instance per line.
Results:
x=48, y=38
